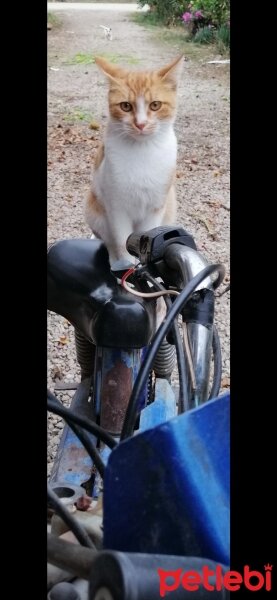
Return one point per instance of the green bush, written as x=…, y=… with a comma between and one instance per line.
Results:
x=168, y=12
x=216, y=11
x=204, y=35
x=223, y=35
x=212, y=24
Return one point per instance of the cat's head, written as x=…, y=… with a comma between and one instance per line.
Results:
x=141, y=102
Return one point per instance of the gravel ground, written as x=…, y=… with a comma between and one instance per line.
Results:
x=77, y=98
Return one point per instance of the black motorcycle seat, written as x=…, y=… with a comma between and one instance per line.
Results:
x=82, y=289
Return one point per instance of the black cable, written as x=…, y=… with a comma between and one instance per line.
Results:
x=77, y=529
x=70, y=557
x=183, y=404
x=131, y=413
x=55, y=406
x=217, y=365
x=217, y=356
x=227, y=289
x=88, y=445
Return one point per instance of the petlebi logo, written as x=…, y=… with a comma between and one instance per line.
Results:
x=212, y=580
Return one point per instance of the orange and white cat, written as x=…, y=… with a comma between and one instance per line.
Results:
x=133, y=181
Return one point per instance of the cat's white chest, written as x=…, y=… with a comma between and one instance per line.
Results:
x=136, y=175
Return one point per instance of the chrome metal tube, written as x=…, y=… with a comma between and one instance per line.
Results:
x=200, y=338
x=188, y=262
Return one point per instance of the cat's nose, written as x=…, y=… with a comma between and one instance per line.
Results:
x=140, y=126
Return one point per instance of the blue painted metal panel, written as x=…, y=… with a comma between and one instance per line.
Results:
x=72, y=463
x=166, y=490
x=163, y=409
x=75, y=466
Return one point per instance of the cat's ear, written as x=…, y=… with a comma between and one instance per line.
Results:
x=172, y=72
x=112, y=72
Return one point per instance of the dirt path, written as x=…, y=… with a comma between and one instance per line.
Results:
x=77, y=96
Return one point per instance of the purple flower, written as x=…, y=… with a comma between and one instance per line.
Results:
x=187, y=16
x=198, y=14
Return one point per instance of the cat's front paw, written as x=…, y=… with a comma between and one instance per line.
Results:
x=119, y=268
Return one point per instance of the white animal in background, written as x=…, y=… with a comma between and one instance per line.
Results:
x=107, y=31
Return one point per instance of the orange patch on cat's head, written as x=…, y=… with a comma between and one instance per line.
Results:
x=137, y=94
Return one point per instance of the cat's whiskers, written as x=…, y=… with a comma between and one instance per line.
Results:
x=121, y=133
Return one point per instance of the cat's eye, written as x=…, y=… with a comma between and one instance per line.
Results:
x=126, y=106
x=155, y=105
